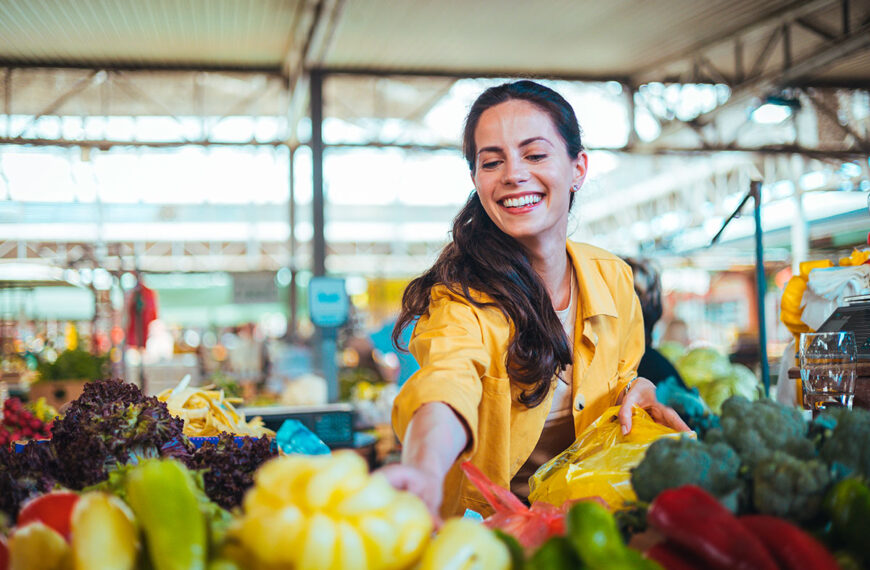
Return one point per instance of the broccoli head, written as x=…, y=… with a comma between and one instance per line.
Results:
x=847, y=447
x=757, y=429
x=787, y=487
x=675, y=462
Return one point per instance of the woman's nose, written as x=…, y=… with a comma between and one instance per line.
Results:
x=515, y=172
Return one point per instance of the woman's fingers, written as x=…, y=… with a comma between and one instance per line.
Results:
x=417, y=482
x=673, y=420
x=624, y=415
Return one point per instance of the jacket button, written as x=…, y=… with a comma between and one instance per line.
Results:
x=579, y=402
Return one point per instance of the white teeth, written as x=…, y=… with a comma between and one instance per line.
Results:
x=522, y=201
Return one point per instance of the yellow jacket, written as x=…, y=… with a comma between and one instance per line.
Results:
x=461, y=351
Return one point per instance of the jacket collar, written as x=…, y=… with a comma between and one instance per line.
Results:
x=595, y=297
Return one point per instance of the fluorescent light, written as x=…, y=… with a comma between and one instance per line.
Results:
x=770, y=114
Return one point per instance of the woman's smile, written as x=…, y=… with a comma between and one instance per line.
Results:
x=521, y=203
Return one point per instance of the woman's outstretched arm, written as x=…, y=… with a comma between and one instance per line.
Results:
x=433, y=440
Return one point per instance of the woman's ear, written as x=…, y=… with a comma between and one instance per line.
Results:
x=581, y=163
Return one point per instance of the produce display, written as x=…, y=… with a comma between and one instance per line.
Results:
x=715, y=377
x=768, y=463
x=206, y=412
x=112, y=424
x=120, y=486
x=326, y=511
x=23, y=423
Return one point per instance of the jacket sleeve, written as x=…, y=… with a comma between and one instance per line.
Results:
x=633, y=339
x=448, y=345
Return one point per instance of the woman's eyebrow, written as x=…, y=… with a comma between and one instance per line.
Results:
x=535, y=139
x=525, y=142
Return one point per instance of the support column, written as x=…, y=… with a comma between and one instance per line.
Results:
x=318, y=241
x=800, y=232
x=292, y=296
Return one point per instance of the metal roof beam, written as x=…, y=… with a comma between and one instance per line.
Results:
x=858, y=40
x=784, y=15
x=644, y=149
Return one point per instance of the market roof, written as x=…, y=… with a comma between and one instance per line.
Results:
x=639, y=41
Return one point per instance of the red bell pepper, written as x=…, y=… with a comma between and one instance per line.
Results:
x=791, y=547
x=692, y=518
x=673, y=557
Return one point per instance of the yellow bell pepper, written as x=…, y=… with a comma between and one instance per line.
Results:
x=38, y=547
x=104, y=533
x=326, y=512
x=463, y=544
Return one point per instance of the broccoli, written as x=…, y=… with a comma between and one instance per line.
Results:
x=787, y=487
x=757, y=429
x=688, y=404
x=674, y=462
x=847, y=448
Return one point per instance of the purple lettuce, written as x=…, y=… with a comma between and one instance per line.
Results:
x=114, y=423
x=228, y=468
x=25, y=474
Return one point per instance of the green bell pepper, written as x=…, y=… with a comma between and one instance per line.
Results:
x=163, y=496
x=848, y=505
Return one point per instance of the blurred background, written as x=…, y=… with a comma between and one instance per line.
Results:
x=176, y=175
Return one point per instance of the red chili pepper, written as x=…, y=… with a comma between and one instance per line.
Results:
x=673, y=556
x=792, y=547
x=692, y=518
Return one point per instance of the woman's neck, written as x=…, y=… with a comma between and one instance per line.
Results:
x=554, y=269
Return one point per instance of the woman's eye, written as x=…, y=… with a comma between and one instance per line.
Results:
x=490, y=164
x=536, y=157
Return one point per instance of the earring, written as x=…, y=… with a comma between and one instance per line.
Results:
x=574, y=188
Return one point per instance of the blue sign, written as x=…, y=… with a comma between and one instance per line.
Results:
x=328, y=304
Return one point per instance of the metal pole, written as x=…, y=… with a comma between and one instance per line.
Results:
x=761, y=286
x=292, y=298
x=318, y=240
x=323, y=337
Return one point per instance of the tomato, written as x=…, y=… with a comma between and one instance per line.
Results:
x=4, y=554
x=52, y=509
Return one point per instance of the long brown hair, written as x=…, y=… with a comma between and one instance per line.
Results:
x=484, y=259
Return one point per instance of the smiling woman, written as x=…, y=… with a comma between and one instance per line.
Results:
x=523, y=338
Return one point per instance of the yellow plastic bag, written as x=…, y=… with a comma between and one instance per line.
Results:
x=599, y=462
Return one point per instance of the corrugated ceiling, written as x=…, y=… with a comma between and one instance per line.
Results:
x=148, y=33
x=587, y=38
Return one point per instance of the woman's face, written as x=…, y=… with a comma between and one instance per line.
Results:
x=523, y=174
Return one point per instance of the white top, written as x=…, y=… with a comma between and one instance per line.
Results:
x=558, y=432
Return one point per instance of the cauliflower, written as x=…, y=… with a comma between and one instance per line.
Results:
x=787, y=487
x=675, y=462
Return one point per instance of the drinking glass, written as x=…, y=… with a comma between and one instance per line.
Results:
x=829, y=365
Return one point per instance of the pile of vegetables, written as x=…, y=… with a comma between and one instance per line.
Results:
x=19, y=423
x=715, y=377
x=701, y=533
x=326, y=511
x=73, y=364
x=765, y=459
x=112, y=424
x=158, y=519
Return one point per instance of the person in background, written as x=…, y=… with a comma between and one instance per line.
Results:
x=648, y=287
x=524, y=338
x=677, y=331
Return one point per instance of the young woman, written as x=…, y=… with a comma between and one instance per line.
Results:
x=523, y=338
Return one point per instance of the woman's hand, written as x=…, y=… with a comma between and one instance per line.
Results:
x=433, y=440
x=428, y=486
x=643, y=393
